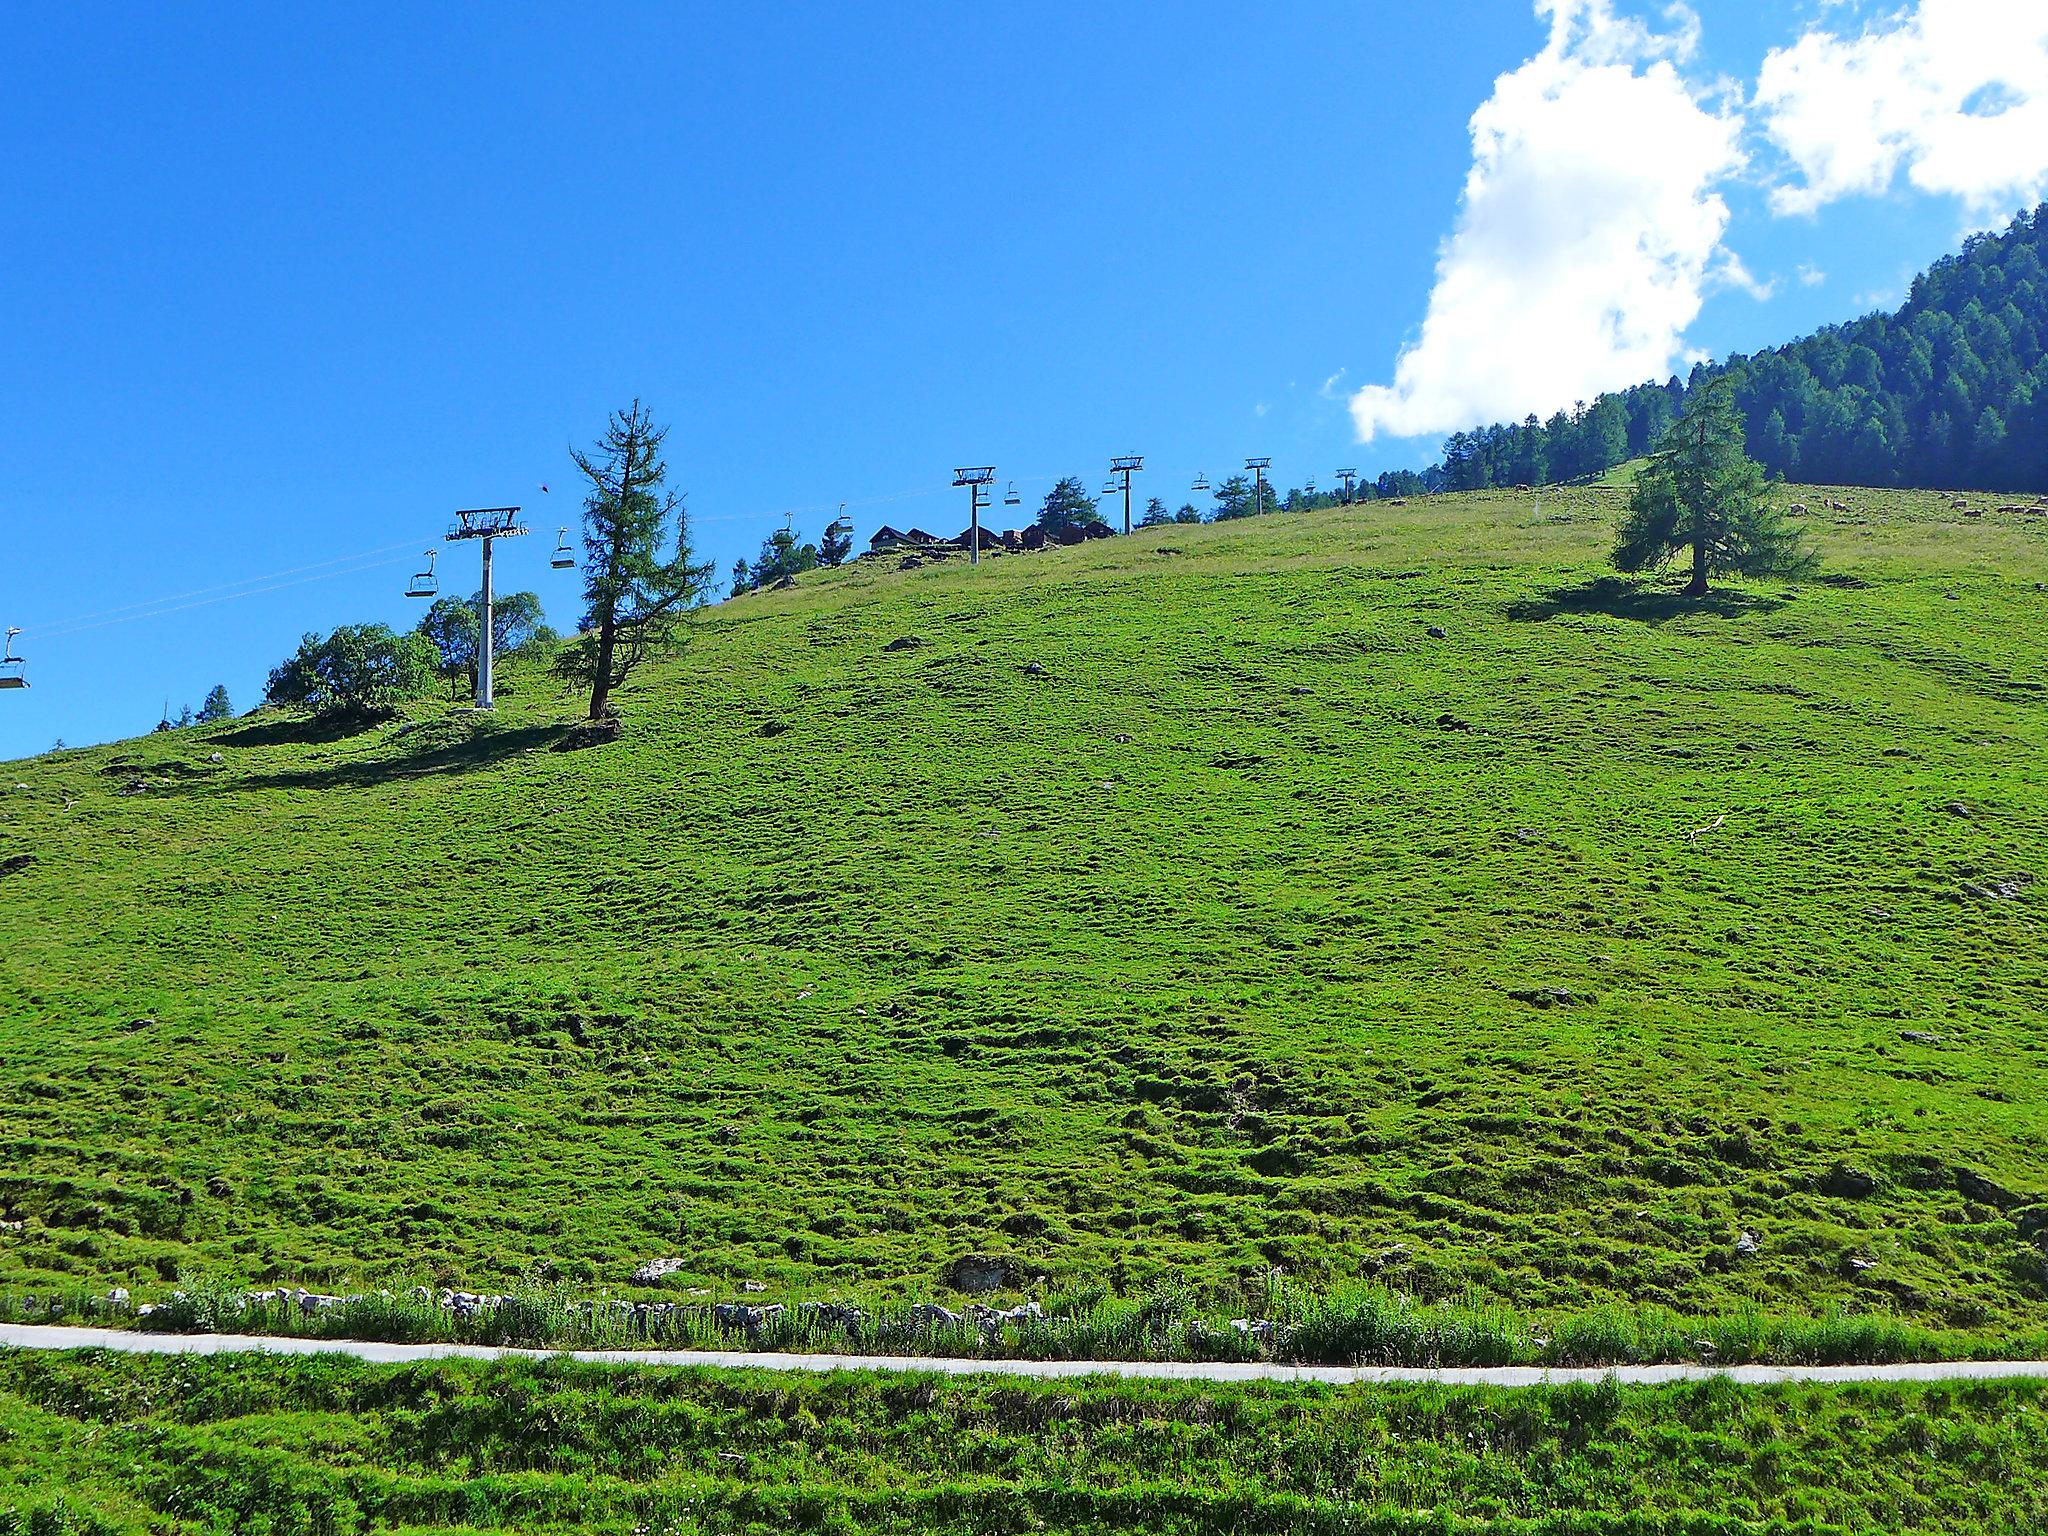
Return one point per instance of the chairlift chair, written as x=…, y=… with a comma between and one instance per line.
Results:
x=11, y=665
x=1201, y=482
x=563, y=558
x=1011, y=498
x=424, y=583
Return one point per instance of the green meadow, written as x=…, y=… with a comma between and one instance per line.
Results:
x=1385, y=896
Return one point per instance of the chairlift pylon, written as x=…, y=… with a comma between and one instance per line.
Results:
x=424, y=583
x=563, y=558
x=11, y=665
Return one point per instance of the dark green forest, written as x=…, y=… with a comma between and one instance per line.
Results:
x=1949, y=391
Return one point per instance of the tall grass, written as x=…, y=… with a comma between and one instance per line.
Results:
x=1356, y=1325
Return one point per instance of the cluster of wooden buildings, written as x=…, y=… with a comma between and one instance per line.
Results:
x=915, y=541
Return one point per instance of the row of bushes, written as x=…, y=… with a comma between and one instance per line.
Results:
x=358, y=668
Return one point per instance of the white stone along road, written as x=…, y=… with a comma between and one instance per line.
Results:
x=32, y=1336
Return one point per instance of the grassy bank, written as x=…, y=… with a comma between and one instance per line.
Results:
x=1158, y=912
x=251, y=1444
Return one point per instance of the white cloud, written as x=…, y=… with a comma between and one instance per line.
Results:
x=1589, y=232
x=1952, y=92
x=1811, y=276
x=1730, y=272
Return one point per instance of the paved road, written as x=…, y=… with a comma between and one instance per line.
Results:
x=20, y=1336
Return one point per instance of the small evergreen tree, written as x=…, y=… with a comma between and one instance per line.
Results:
x=783, y=557
x=215, y=707
x=742, y=578
x=1234, y=499
x=1067, y=507
x=1187, y=513
x=1701, y=492
x=837, y=543
x=1156, y=514
x=638, y=574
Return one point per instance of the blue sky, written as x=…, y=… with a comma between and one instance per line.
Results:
x=282, y=287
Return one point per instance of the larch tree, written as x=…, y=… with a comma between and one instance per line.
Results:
x=1701, y=492
x=638, y=576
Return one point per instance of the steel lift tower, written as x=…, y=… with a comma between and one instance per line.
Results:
x=489, y=524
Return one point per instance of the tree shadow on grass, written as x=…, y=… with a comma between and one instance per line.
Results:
x=302, y=730
x=1652, y=605
x=399, y=761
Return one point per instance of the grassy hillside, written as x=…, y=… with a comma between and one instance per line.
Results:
x=1157, y=911
x=96, y=1447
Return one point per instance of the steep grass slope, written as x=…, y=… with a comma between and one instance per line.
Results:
x=1162, y=910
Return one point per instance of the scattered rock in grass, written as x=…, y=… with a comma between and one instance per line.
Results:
x=1255, y=1327
x=1895, y=752
x=1450, y=722
x=13, y=1226
x=1856, y=1264
x=737, y=1314
x=978, y=1272
x=1706, y=1349
x=754, y=1287
x=2009, y=889
x=1436, y=632
x=1528, y=834
x=1957, y=808
x=932, y=1313
x=1848, y=1183
x=117, y=1299
x=219, y=1187
x=773, y=728
x=1300, y=692
x=1122, y=739
x=135, y=787
x=217, y=757
x=1033, y=669
x=590, y=733
x=1919, y=1037
x=904, y=643
x=910, y=563
x=1882, y=914
x=1985, y=1191
x=1747, y=1246
x=1546, y=997
x=654, y=1270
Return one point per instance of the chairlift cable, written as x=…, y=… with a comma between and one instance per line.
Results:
x=384, y=563
x=70, y=622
